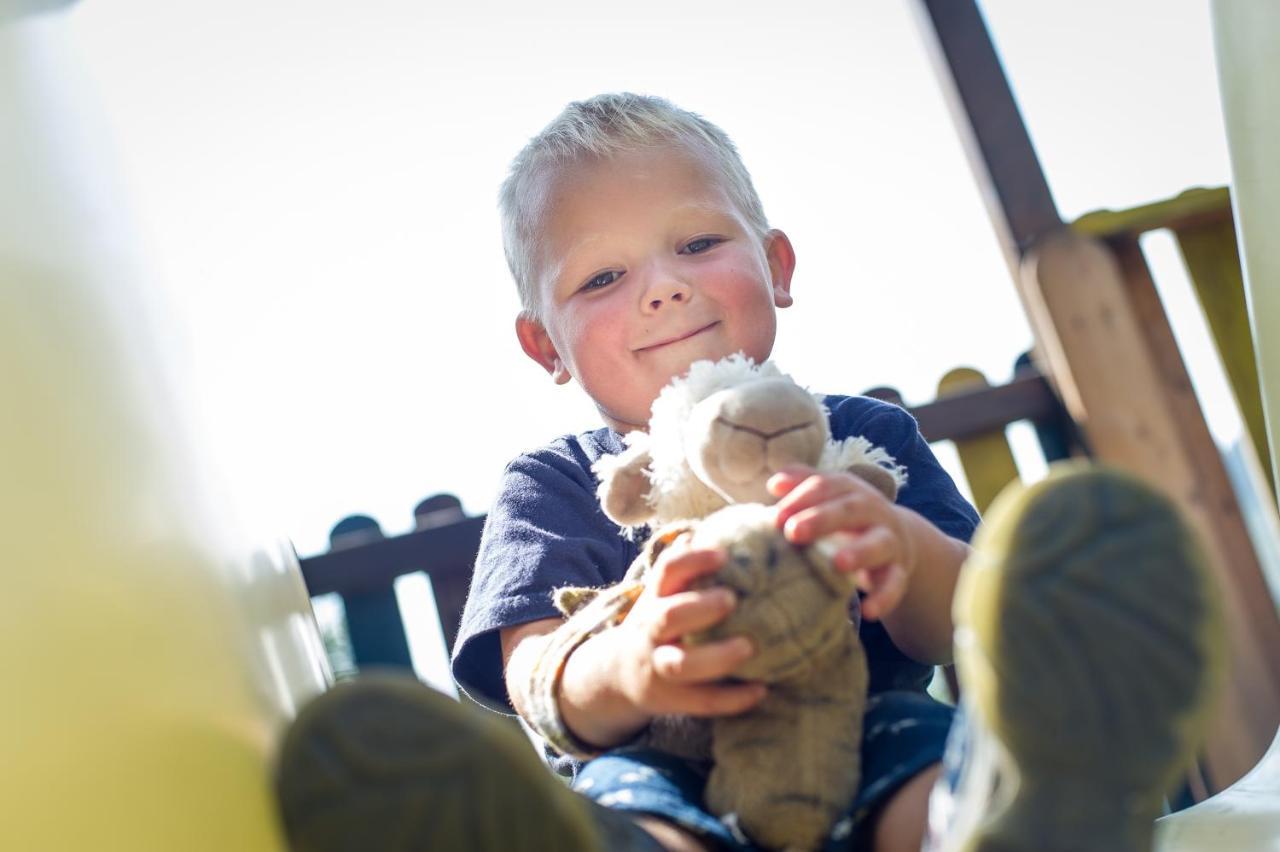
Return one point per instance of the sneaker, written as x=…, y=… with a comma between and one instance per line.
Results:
x=384, y=762
x=1088, y=642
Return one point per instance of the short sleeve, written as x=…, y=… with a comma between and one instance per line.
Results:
x=545, y=531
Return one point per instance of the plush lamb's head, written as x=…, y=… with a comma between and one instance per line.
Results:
x=717, y=435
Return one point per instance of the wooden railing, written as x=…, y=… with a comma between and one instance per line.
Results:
x=362, y=565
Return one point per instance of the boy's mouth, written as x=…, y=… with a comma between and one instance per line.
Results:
x=677, y=338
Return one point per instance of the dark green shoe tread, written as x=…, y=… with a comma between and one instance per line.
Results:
x=386, y=763
x=1088, y=641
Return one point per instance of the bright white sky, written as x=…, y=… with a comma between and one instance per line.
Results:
x=314, y=184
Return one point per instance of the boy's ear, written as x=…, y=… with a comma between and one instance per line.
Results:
x=537, y=344
x=782, y=264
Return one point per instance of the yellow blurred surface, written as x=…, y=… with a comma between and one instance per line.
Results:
x=151, y=649
x=1245, y=35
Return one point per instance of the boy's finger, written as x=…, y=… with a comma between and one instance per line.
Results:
x=676, y=571
x=719, y=699
x=787, y=478
x=701, y=663
x=847, y=512
x=889, y=585
x=814, y=491
x=870, y=548
x=675, y=615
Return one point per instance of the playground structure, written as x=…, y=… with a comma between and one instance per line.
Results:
x=156, y=654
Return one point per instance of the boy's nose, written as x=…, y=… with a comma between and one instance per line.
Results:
x=666, y=291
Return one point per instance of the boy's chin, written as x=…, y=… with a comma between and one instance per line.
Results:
x=621, y=425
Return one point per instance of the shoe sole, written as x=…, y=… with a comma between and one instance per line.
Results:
x=386, y=763
x=1088, y=643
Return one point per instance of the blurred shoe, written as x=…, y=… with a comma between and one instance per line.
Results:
x=384, y=763
x=1088, y=643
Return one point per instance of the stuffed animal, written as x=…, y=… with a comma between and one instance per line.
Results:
x=784, y=770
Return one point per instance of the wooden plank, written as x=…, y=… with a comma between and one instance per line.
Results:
x=445, y=553
x=1190, y=209
x=990, y=126
x=985, y=456
x=1202, y=222
x=1209, y=251
x=1122, y=380
x=1057, y=434
x=1102, y=329
x=978, y=410
x=442, y=552
x=376, y=629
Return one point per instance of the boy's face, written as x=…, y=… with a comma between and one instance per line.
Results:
x=646, y=266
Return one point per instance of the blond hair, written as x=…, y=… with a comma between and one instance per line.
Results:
x=605, y=126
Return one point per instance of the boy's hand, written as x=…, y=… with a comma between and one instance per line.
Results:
x=876, y=546
x=657, y=673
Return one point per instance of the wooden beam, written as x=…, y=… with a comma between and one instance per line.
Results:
x=1108, y=350
x=985, y=456
x=446, y=554
x=1107, y=341
x=990, y=126
x=441, y=552
x=965, y=414
x=1193, y=208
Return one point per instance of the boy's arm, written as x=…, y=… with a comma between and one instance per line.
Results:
x=920, y=625
x=613, y=684
x=907, y=566
x=913, y=561
x=591, y=705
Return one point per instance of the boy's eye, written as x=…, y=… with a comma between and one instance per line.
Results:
x=604, y=279
x=700, y=245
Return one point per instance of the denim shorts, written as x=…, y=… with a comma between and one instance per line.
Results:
x=903, y=733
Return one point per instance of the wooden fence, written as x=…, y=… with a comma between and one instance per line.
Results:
x=362, y=565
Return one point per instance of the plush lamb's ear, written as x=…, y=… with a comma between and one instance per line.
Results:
x=624, y=484
x=881, y=479
x=858, y=456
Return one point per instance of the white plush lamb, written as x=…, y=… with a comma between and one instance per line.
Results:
x=787, y=768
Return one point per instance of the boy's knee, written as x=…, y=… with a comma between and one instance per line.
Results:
x=901, y=823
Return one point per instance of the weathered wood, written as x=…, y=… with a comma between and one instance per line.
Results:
x=376, y=629
x=1203, y=225
x=1209, y=251
x=1110, y=354
x=985, y=457
x=990, y=126
x=1190, y=209
x=1056, y=433
x=1104, y=334
x=977, y=411
x=967, y=412
x=445, y=553
x=374, y=625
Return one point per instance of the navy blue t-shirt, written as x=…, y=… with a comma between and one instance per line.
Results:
x=546, y=530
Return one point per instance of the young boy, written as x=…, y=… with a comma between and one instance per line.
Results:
x=639, y=246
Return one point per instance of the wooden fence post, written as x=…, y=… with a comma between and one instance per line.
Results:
x=986, y=459
x=373, y=615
